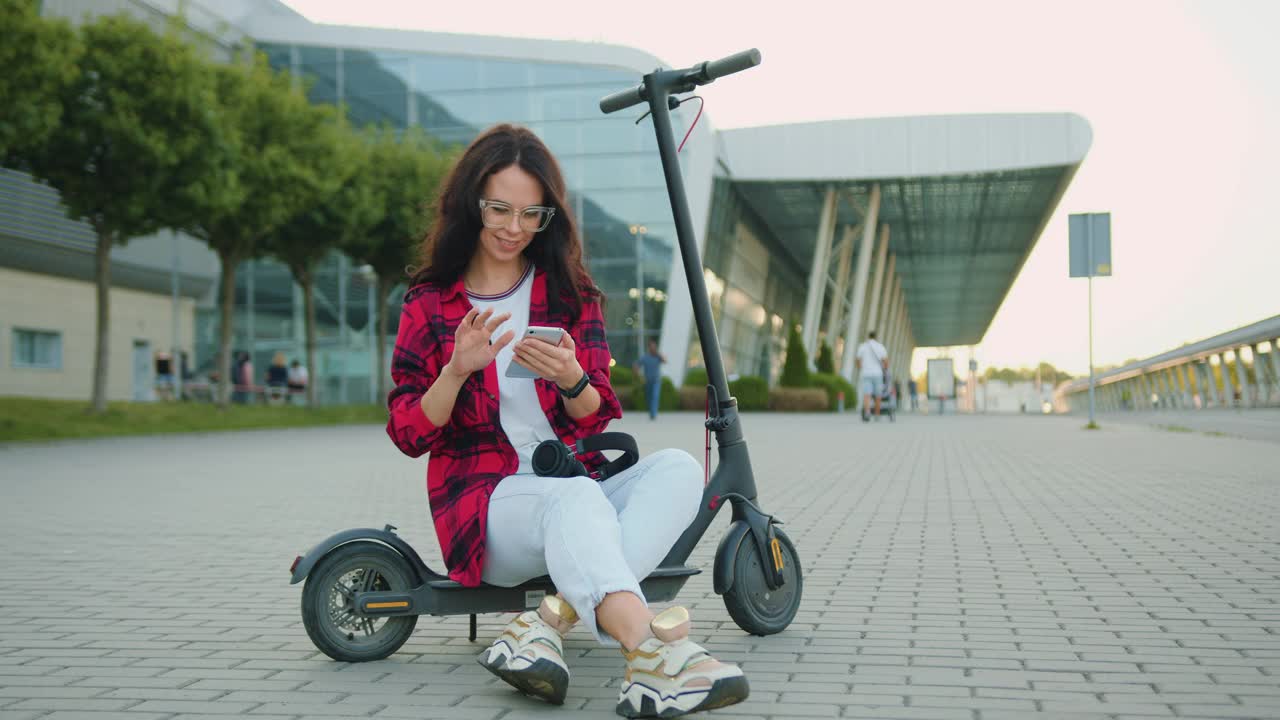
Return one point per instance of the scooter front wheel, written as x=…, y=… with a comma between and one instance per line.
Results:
x=752, y=605
x=328, y=602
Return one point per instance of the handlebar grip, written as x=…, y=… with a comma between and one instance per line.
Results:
x=622, y=99
x=732, y=64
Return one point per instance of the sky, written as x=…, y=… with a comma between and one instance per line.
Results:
x=1176, y=92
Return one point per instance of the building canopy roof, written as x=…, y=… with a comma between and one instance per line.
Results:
x=965, y=198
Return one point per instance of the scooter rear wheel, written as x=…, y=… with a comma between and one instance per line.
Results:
x=752, y=605
x=328, y=609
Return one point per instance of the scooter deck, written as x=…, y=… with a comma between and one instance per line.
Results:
x=447, y=597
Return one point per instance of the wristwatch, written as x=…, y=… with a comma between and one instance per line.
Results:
x=577, y=388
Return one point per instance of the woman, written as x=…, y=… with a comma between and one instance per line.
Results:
x=504, y=254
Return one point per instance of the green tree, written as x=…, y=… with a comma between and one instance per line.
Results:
x=403, y=180
x=40, y=58
x=795, y=368
x=1049, y=375
x=825, y=363
x=339, y=209
x=274, y=134
x=128, y=155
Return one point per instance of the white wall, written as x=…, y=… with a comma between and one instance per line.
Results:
x=1003, y=397
x=43, y=302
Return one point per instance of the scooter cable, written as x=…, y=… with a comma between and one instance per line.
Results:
x=701, y=104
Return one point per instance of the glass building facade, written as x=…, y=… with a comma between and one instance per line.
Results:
x=462, y=87
x=755, y=289
x=611, y=166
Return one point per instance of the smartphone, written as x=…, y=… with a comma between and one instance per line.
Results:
x=546, y=334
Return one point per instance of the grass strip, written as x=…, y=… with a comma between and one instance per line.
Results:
x=35, y=419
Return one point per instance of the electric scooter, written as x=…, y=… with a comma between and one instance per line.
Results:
x=365, y=588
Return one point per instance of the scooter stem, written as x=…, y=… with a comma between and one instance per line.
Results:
x=658, y=93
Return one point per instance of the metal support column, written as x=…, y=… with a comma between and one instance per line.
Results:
x=1228, y=390
x=877, y=283
x=343, y=336
x=1261, y=375
x=895, y=329
x=893, y=311
x=1242, y=375
x=1275, y=361
x=906, y=339
x=1272, y=364
x=836, y=314
x=818, y=271
x=1209, y=383
x=1175, y=393
x=881, y=319
x=865, y=249
x=1195, y=398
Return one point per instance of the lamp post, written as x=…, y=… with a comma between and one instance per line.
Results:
x=638, y=232
x=370, y=278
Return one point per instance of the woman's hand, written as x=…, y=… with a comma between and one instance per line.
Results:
x=473, y=344
x=557, y=363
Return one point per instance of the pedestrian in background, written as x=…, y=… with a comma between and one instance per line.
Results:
x=242, y=379
x=164, y=375
x=297, y=381
x=873, y=360
x=650, y=365
x=277, y=379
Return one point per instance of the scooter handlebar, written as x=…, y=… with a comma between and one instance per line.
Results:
x=622, y=100
x=700, y=74
x=726, y=66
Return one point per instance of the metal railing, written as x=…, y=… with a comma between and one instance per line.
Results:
x=1239, y=368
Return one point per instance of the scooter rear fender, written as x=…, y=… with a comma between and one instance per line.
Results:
x=384, y=536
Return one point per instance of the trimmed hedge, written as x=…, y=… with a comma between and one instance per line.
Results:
x=752, y=392
x=668, y=397
x=627, y=396
x=826, y=362
x=693, y=398
x=785, y=399
x=833, y=385
x=621, y=375
x=795, y=368
x=696, y=377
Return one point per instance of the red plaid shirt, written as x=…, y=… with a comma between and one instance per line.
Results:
x=471, y=454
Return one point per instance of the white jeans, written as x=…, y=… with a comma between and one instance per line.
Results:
x=592, y=538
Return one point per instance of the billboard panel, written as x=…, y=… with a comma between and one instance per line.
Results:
x=942, y=378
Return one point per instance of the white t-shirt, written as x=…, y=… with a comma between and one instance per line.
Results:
x=872, y=354
x=518, y=407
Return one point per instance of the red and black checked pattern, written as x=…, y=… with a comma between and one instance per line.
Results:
x=470, y=454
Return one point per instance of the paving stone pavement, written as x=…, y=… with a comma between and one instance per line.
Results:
x=955, y=567
x=1251, y=423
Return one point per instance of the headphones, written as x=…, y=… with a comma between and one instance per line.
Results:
x=553, y=458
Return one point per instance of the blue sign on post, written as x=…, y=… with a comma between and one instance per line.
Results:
x=1090, y=239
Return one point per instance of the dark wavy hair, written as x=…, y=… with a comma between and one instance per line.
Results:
x=455, y=235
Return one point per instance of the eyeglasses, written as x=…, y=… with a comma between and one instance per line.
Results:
x=496, y=214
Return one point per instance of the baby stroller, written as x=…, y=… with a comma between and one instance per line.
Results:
x=888, y=400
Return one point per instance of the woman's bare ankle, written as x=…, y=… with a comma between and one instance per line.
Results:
x=625, y=617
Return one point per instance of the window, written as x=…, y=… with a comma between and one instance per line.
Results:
x=37, y=349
